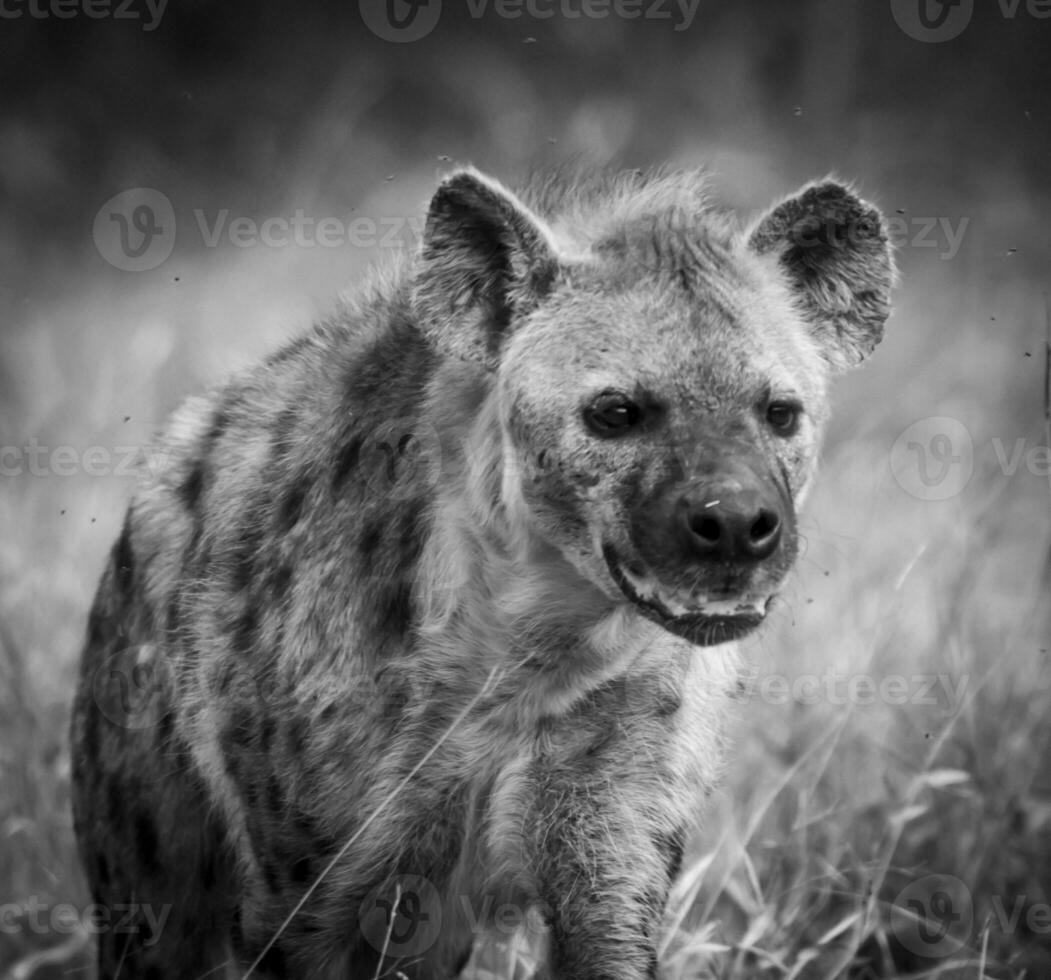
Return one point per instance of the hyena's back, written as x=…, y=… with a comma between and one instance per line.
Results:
x=284, y=516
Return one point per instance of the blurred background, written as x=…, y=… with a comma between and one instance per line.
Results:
x=183, y=185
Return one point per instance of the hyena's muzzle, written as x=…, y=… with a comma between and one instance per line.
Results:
x=709, y=544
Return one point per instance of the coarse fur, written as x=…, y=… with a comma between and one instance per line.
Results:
x=431, y=614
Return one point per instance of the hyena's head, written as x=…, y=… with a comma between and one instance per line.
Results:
x=661, y=374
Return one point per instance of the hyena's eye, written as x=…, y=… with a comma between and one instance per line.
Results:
x=783, y=417
x=612, y=414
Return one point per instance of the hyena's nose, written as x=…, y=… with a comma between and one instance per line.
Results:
x=732, y=525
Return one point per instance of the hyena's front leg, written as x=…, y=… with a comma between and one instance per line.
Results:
x=611, y=810
x=604, y=900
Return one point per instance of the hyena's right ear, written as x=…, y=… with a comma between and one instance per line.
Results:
x=833, y=247
x=485, y=260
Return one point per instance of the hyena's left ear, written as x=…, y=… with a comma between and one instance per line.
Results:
x=485, y=260
x=834, y=249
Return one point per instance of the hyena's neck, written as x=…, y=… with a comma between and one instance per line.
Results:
x=495, y=595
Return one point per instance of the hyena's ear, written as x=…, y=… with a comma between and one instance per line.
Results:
x=485, y=260
x=834, y=249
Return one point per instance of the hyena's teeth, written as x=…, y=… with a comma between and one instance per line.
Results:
x=732, y=607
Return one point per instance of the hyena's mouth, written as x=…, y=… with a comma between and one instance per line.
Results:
x=709, y=625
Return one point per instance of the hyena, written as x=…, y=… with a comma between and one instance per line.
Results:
x=431, y=615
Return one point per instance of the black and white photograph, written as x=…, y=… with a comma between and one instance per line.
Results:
x=525, y=489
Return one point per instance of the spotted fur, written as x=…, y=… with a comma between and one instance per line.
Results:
x=399, y=632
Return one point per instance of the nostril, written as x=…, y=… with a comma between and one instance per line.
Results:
x=766, y=524
x=705, y=527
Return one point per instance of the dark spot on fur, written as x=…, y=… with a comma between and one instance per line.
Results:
x=284, y=425
x=370, y=539
x=92, y=714
x=151, y=972
x=189, y=491
x=209, y=871
x=246, y=630
x=312, y=834
x=224, y=678
x=292, y=505
x=146, y=842
x=124, y=559
x=272, y=875
x=346, y=462
x=296, y=736
x=273, y=962
x=240, y=730
x=301, y=871
x=115, y=803
x=102, y=875
x=266, y=733
x=394, y=609
x=597, y=749
x=98, y=628
x=182, y=761
x=233, y=761
x=413, y=531
x=275, y=798
x=165, y=726
x=668, y=702
x=192, y=488
x=281, y=581
x=220, y=421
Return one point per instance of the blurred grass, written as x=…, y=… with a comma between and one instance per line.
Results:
x=829, y=810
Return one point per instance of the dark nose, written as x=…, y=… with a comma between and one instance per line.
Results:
x=732, y=525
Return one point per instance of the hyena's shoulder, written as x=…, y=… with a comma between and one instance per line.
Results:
x=267, y=484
